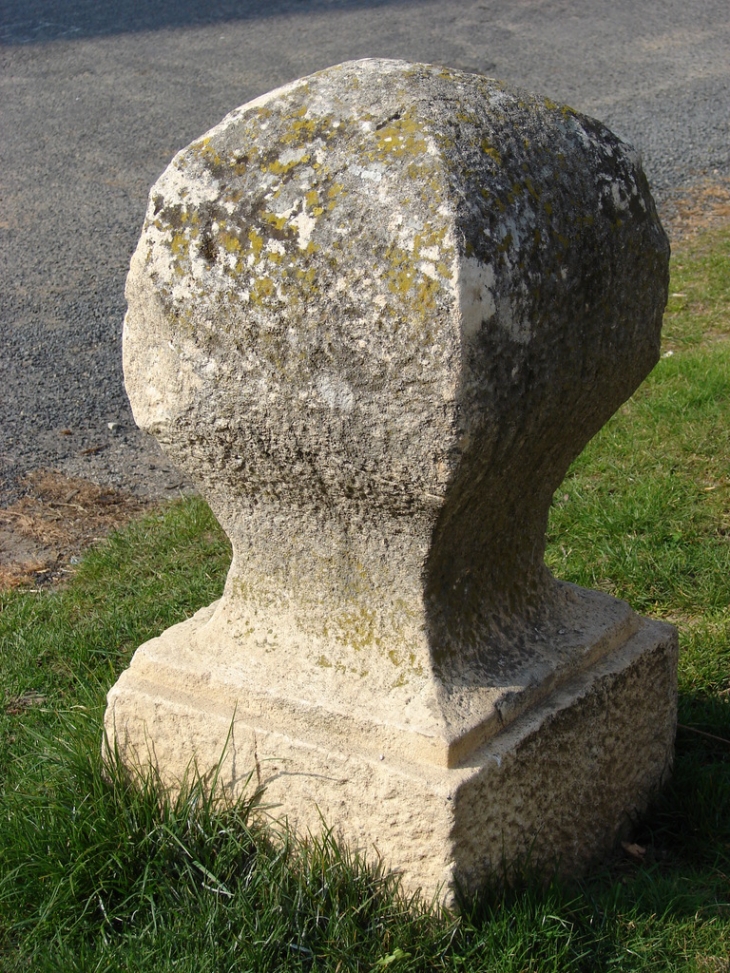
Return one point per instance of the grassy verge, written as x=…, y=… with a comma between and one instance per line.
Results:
x=98, y=873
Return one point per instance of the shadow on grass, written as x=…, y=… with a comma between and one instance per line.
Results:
x=97, y=872
x=689, y=825
x=96, y=859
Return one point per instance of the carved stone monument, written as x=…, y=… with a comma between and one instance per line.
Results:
x=374, y=315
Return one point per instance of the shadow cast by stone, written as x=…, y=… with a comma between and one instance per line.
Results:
x=42, y=21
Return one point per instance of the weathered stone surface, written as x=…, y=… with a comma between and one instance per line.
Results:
x=557, y=786
x=375, y=315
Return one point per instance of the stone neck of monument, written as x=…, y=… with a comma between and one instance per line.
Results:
x=375, y=315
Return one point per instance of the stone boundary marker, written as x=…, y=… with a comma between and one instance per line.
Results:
x=374, y=315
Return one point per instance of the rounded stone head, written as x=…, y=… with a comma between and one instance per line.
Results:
x=374, y=315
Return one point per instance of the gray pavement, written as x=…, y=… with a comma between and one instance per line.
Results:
x=95, y=98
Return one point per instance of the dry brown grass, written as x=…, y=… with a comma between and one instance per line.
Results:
x=57, y=518
x=706, y=206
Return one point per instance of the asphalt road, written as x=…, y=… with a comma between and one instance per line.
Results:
x=95, y=99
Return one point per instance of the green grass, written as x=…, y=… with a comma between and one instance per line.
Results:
x=99, y=872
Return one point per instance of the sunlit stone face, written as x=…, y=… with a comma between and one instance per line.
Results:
x=374, y=315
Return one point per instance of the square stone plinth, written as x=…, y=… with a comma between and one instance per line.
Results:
x=559, y=783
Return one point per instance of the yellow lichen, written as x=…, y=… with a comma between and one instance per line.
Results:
x=443, y=269
x=399, y=137
x=229, y=241
x=281, y=168
x=278, y=222
x=179, y=243
x=207, y=152
x=491, y=152
x=302, y=131
x=263, y=287
x=358, y=629
x=307, y=275
x=257, y=241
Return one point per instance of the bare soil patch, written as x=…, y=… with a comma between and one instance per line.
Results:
x=706, y=206
x=57, y=518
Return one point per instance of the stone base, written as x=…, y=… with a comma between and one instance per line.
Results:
x=559, y=785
